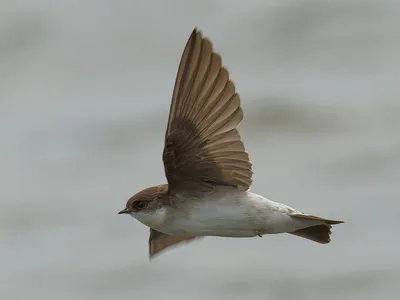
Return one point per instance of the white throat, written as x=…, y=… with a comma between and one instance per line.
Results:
x=153, y=219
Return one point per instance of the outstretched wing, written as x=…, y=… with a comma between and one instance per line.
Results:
x=202, y=144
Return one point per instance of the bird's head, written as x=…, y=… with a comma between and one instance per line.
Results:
x=148, y=206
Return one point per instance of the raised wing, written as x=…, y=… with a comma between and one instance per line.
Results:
x=202, y=144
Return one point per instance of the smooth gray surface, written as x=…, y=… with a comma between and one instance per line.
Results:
x=84, y=96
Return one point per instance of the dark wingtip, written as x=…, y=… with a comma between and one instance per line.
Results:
x=196, y=31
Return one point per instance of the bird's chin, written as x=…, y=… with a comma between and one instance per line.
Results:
x=152, y=219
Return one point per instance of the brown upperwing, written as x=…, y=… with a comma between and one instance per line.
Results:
x=202, y=145
x=159, y=241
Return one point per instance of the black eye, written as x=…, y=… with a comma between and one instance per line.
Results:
x=140, y=204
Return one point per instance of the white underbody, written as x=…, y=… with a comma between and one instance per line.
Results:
x=227, y=214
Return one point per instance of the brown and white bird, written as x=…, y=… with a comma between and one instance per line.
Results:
x=207, y=168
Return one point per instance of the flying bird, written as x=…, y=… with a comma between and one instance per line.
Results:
x=207, y=167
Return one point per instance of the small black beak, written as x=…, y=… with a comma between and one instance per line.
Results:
x=124, y=211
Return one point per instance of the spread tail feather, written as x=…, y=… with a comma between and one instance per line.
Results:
x=311, y=217
x=317, y=233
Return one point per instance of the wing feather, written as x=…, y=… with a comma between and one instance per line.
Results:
x=159, y=241
x=202, y=144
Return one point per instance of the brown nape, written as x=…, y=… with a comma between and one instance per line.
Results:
x=318, y=233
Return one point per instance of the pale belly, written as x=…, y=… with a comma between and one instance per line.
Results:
x=211, y=223
x=239, y=215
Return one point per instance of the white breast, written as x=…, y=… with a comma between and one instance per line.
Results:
x=155, y=219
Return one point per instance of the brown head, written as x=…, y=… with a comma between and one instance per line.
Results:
x=148, y=205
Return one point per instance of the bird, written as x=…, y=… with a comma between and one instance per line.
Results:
x=207, y=168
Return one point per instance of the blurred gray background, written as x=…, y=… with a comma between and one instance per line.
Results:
x=85, y=88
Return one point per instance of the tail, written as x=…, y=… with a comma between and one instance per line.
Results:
x=317, y=233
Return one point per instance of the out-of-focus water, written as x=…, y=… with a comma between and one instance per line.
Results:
x=84, y=96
